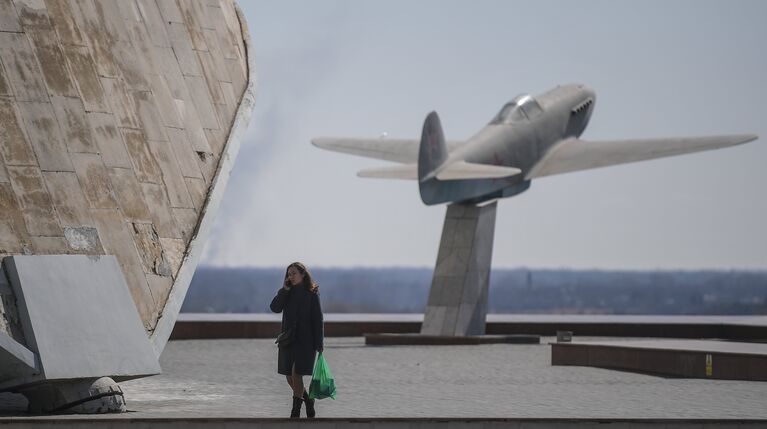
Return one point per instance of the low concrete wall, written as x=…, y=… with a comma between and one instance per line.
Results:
x=212, y=326
x=420, y=423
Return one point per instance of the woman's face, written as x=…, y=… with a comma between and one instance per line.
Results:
x=294, y=276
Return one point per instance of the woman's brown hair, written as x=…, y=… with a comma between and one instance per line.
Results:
x=308, y=282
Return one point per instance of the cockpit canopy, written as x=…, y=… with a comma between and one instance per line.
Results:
x=521, y=108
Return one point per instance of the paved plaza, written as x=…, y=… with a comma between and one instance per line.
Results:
x=237, y=378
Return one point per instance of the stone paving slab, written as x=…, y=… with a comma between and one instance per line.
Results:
x=238, y=379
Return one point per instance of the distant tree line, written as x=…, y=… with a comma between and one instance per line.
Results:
x=405, y=290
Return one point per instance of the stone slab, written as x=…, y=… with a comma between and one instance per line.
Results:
x=94, y=180
x=185, y=155
x=86, y=326
x=109, y=140
x=154, y=22
x=63, y=19
x=118, y=241
x=122, y=103
x=159, y=209
x=52, y=63
x=678, y=358
x=128, y=193
x=9, y=20
x=36, y=206
x=74, y=125
x=22, y=68
x=68, y=198
x=198, y=91
x=14, y=145
x=171, y=174
x=86, y=78
x=447, y=340
x=45, y=135
x=13, y=230
x=144, y=163
x=149, y=115
x=32, y=13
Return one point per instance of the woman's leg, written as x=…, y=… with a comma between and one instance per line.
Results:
x=290, y=381
x=298, y=384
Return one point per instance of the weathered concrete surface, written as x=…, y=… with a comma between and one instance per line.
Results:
x=458, y=296
x=114, y=114
x=229, y=380
x=85, y=326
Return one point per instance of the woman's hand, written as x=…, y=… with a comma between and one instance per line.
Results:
x=319, y=349
x=286, y=285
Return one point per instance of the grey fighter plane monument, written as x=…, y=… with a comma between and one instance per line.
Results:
x=530, y=137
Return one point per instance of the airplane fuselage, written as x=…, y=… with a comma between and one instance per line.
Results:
x=520, y=138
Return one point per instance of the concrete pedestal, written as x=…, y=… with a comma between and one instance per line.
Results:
x=458, y=297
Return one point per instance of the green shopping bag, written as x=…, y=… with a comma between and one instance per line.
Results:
x=322, y=385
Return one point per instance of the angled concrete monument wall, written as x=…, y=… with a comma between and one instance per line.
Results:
x=119, y=124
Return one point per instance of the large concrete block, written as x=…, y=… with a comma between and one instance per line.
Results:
x=154, y=22
x=85, y=326
x=13, y=230
x=9, y=20
x=86, y=78
x=159, y=210
x=63, y=19
x=14, y=146
x=5, y=86
x=118, y=241
x=76, y=129
x=51, y=58
x=184, y=52
x=151, y=120
x=146, y=166
x=68, y=198
x=198, y=190
x=165, y=102
x=170, y=11
x=172, y=177
x=22, y=68
x=94, y=179
x=45, y=135
x=185, y=155
x=109, y=140
x=35, y=202
x=129, y=195
x=32, y=13
x=198, y=90
x=122, y=102
x=194, y=14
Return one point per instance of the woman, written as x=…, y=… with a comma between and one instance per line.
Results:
x=299, y=301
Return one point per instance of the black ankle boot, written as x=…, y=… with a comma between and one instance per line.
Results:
x=296, y=411
x=309, y=405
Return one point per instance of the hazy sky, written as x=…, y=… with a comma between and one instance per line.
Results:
x=360, y=68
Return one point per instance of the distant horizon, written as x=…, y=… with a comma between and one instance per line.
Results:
x=424, y=267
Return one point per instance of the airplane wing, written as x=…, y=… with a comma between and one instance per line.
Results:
x=574, y=154
x=455, y=171
x=404, y=151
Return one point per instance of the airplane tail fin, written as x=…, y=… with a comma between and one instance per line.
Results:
x=432, y=153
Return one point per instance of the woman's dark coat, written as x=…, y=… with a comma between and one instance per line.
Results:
x=300, y=308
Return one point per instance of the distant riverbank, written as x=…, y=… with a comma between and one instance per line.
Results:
x=405, y=290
